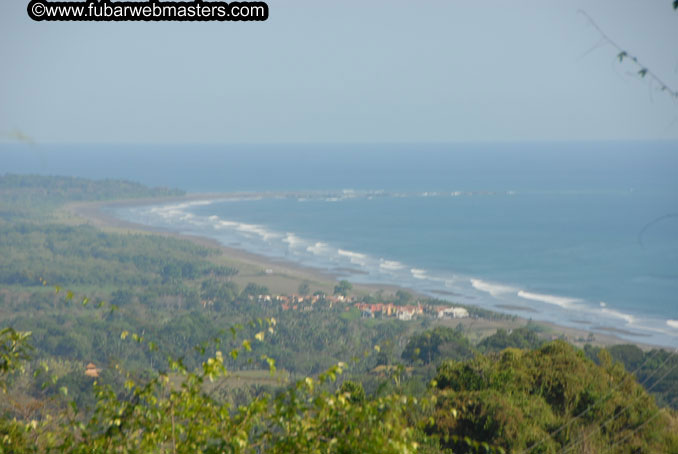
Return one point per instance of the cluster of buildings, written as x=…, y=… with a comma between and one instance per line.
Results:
x=368, y=310
x=301, y=302
x=409, y=312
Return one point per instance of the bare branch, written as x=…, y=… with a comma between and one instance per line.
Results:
x=643, y=71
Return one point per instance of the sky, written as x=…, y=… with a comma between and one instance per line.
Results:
x=345, y=71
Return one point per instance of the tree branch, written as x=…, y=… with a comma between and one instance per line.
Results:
x=643, y=70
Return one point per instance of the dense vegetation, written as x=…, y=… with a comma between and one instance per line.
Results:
x=553, y=399
x=23, y=195
x=337, y=382
x=524, y=338
x=656, y=369
x=432, y=345
x=83, y=255
x=175, y=412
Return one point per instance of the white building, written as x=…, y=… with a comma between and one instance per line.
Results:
x=404, y=314
x=453, y=312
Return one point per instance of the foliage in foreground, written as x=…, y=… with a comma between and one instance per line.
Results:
x=173, y=412
x=548, y=400
x=646, y=364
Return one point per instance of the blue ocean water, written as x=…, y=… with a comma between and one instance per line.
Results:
x=584, y=234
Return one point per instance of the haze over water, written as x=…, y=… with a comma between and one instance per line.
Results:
x=583, y=234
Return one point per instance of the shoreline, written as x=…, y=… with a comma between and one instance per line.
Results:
x=92, y=214
x=290, y=274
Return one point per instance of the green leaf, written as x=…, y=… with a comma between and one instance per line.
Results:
x=621, y=55
x=642, y=72
x=271, y=365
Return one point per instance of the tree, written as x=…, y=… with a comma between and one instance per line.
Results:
x=429, y=346
x=159, y=415
x=122, y=297
x=403, y=297
x=549, y=400
x=253, y=289
x=171, y=273
x=14, y=350
x=218, y=292
x=523, y=338
x=304, y=288
x=342, y=288
x=355, y=391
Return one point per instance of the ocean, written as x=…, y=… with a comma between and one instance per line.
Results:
x=580, y=234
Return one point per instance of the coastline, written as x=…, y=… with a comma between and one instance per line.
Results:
x=285, y=276
x=91, y=213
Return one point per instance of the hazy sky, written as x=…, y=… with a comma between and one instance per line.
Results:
x=345, y=71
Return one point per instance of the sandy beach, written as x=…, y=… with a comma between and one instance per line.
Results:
x=284, y=276
x=278, y=275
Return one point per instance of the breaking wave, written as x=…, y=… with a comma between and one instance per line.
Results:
x=391, y=265
x=492, y=289
x=549, y=299
x=361, y=267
